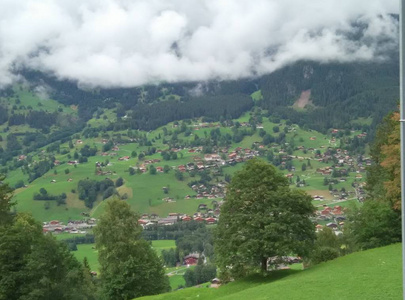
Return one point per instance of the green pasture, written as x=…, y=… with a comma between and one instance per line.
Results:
x=373, y=275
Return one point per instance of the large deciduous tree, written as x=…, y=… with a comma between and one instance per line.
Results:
x=129, y=266
x=261, y=218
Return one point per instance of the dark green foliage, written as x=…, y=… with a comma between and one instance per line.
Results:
x=19, y=184
x=149, y=117
x=39, y=169
x=179, y=175
x=170, y=258
x=87, y=151
x=373, y=225
x=45, y=196
x=261, y=218
x=119, y=182
x=174, y=232
x=327, y=246
x=130, y=268
x=199, y=240
x=41, y=119
x=340, y=92
x=322, y=254
x=36, y=266
x=200, y=274
x=152, y=170
x=5, y=202
x=12, y=143
x=89, y=189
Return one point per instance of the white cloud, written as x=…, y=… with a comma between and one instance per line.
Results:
x=129, y=43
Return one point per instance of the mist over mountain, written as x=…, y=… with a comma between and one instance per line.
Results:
x=117, y=43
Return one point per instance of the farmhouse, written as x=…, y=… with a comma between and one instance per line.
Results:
x=191, y=259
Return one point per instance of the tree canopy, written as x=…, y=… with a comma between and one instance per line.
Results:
x=129, y=266
x=261, y=218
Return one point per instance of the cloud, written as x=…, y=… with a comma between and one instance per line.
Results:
x=124, y=43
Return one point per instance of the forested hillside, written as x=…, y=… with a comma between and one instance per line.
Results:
x=339, y=94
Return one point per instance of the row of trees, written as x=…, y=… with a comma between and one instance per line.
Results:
x=37, y=266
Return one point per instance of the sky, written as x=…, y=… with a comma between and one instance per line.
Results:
x=127, y=43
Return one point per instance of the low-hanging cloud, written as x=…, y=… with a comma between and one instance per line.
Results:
x=124, y=43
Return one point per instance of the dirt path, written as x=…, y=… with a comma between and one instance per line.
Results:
x=303, y=100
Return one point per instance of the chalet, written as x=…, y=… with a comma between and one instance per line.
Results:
x=115, y=148
x=208, y=157
x=200, y=166
x=124, y=158
x=210, y=220
x=186, y=218
x=202, y=206
x=79, y=142
x=22, y=157
x=191, y=259
x=56, y=162
x=182, y=168
x=332, y=225
x=72, y=162
x=159, y=169
x=198, y=219
x=233, y=155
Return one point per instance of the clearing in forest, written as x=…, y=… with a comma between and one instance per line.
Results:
x=303, y=99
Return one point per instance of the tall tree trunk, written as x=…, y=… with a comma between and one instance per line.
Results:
x=264, y=264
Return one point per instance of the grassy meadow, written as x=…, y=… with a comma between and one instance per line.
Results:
x=370, y=275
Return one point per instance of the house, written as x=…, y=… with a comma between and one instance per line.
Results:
x=159, y=169
x=186, y=218
x=191, y=259
x=210, y=220
x=332, y=225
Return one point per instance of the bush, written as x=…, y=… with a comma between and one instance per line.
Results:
x=119, y=182
x=323, y=254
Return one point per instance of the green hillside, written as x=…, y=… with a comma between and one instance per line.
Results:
x=372, y=274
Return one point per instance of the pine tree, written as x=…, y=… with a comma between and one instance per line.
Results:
x=129, y=266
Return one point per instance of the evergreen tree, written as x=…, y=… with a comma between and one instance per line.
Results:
x=129, y=266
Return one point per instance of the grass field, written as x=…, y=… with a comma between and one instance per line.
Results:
x=88, y=250
x=373, y=274
x=144, y=191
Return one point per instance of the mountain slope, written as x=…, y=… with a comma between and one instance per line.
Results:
x=372, y=274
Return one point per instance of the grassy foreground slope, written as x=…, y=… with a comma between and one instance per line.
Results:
x=372, y=274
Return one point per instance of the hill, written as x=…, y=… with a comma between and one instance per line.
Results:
x=371, y=274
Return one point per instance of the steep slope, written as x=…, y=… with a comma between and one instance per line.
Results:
x=372, y=274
